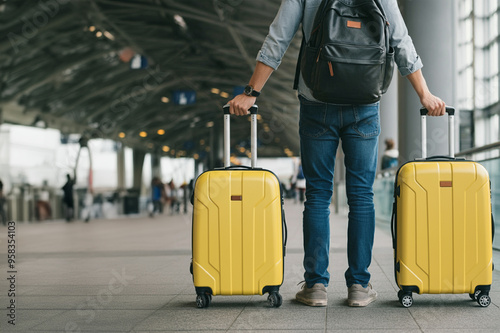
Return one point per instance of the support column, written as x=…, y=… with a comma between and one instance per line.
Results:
x=156, y=165
x=138, y=162
x=198, y=168
x=431, y=25
x=216, y=144
x=388, y=117
x=120, y=166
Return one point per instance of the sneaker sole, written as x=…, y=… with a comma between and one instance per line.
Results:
x=361, y=304
x=311, y=302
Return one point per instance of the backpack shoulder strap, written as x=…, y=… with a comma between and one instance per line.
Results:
x=297, y=68
x=321, y=8
x=381, y=8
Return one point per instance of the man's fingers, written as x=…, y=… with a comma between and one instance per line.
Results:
x=240, y=105
x=436, y=108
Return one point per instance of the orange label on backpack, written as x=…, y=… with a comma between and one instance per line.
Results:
x=354, y=24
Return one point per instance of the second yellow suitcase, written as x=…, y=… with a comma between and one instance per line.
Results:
x=442, y=228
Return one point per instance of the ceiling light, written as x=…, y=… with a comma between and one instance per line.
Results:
x=165, y=99
x=210, y=124
x=165, y=149
x=91, y=28
x=161, y=132
x=143, y=134
x=224, y=94
x=98, y=34
x=109, y=35
x=215, y=91
x=180, y=21
x=121, y=135
x=196, y=156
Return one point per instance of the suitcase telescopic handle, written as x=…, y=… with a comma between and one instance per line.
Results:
x=451, y=130
x=253, y=135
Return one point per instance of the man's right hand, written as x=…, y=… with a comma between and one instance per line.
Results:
x=240, y=105
x=434, y=105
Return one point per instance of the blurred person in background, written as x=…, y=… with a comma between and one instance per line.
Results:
x=390, y=157
x=3, y=215
x=68, y=200
x=157, y=196
x=43, y=208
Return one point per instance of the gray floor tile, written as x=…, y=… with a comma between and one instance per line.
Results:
x=461, y=330
x=453, y=312
x=370, y=317
x=192, y=318
x=27, y=319
x=115, y=302
x=303, y=318
x=275, y=331
x=96, y=320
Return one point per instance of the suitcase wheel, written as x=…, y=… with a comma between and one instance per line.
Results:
x=483, y=299
x=203, y=300
x=405, y=298
x=474, y=296
x=274, y=299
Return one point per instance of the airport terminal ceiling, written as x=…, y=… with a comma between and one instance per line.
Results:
x=153, y=74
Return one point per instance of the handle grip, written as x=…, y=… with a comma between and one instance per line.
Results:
x=449, y=109
x=254, y=109
x=451, y=130
x=253, y=135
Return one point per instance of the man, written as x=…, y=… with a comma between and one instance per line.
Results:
x=321, y=127
x=390, y=156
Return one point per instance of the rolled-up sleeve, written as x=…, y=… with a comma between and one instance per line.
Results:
x=281, y=32
x=406, y=56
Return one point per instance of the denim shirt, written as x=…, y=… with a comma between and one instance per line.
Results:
x=293, y=12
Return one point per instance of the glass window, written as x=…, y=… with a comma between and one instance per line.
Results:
x=478, y=61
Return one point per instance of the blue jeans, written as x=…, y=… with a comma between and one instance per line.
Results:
x=321, y=127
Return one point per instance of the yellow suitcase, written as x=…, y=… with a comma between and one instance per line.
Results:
x=239, y=230
x=442, y=227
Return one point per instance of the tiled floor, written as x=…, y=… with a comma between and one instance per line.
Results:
x=132, y=275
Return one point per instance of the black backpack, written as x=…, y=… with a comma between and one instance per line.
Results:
x=348, y=59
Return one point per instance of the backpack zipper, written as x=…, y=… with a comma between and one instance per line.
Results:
x=330, y=67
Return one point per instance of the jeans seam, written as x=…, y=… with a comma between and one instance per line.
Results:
x=341, y=117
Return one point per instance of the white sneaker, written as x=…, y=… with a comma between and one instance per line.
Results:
x=359, y=296
x=314, y=296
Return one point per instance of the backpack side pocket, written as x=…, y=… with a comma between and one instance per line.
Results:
x=389, y=70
